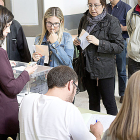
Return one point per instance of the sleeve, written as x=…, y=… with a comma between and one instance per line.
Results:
x=23, y=46
x=115, y=43
x=105, y=136
x=9, y=85
x=76, y=125
x=128, y=24
x=64, y=54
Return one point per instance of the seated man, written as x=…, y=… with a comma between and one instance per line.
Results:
x=53, y=116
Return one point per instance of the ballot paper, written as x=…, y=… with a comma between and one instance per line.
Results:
x=21, y=68
x=105, y=120
x=43, y=50
x=82, y=37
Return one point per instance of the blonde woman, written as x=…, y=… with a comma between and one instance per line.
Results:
x=60, y=43
x=126, y=125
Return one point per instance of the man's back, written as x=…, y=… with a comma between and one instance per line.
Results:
x=50, y=118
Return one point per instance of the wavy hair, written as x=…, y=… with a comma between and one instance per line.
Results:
x=126, y=125
x=5, y=17
x=53, y=11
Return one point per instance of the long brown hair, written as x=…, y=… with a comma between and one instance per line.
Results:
x=53, y=11
x=5, y=17
x=126, y=125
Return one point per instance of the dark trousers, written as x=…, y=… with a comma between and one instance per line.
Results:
x=105, y=88
x=4, y=137
x=133, y=66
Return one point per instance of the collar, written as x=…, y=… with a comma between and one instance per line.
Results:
x=137, y=8
x=45, y=38
x=118, y=4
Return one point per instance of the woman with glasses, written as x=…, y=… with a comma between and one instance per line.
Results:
x=99, y=56
x=59, y=42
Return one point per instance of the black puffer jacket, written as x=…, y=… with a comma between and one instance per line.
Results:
x=100, y=60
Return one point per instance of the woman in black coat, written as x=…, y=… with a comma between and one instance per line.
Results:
x=105, y=41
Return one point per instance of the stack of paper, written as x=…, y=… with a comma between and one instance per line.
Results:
x=105, y=120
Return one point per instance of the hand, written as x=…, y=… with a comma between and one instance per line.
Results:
x=13, y=63
x=31, y=69
x=92, y=39
x=76, y=42
x=53, y=37
x=124, y=28
x=36, y=56
x=97, y=130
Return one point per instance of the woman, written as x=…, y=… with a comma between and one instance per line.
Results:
x=105, y=41
x=9, y=86
x=59, y=42
x=126, y=125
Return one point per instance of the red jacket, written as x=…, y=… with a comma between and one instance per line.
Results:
x=9, y=88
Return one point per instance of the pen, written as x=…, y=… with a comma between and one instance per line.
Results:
x=96, y=121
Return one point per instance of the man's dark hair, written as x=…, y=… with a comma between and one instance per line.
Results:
x=5, y=17
x=59, y=76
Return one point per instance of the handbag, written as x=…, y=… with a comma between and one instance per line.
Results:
x=79, y=68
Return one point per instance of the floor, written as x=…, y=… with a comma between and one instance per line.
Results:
x=81, y=100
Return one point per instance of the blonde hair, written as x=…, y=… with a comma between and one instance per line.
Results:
x=53, y=11
x=126, y=125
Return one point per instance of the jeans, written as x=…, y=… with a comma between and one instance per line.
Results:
x=133, y=66
x=121, y=69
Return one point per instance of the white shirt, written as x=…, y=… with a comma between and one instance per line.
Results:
x=44, y=117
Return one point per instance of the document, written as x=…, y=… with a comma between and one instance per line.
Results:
x=82, y=37
x=20, y=68
x=105, y=120
x=43, y=50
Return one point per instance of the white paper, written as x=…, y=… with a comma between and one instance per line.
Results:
x=105, y=120
x=21, y=68
x=84, y=42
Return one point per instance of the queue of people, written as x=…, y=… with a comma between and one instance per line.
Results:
x=52, y=116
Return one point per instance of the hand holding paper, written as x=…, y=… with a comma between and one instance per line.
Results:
x=41, y=50
x=82, y=37
x=92, y=39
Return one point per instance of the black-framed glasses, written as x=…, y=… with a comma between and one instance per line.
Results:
x=77, y=88
x=49, y=24
x=94, y=5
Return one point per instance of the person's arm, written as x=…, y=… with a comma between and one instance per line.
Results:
x=64, y=54
x=127, y=8
x=115, y=43
x=22, y=46
x=9, y=85
x=128, y=23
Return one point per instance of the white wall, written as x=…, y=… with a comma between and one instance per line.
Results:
x=68, y=7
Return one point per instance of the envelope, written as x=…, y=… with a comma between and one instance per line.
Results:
x=44, y=51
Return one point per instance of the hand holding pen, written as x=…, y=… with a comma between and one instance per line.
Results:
x=97, y=129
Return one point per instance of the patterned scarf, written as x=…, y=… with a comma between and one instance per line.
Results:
x=94, y=20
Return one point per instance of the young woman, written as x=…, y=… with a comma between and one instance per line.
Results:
x=9, y=86
x=59, y=42
x=105, y=41
x=126, y=125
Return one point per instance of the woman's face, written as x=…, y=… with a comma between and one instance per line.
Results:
x=53, y=24
x=95, y=7
x=7, y=29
